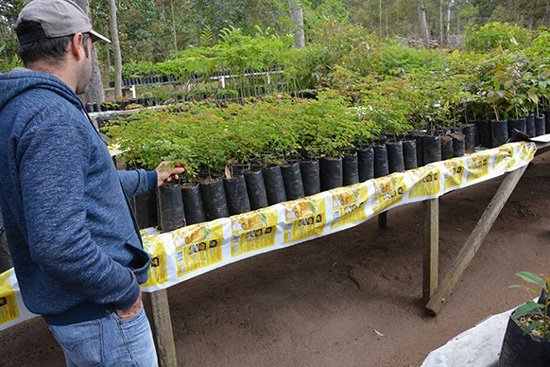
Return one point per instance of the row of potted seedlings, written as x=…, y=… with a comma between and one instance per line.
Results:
x=145, y=80
x=256, y=185
x=493, y=133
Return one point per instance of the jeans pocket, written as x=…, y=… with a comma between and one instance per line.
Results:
x=130, y=320
x=81, y=343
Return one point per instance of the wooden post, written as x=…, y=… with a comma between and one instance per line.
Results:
x=166, y=348
x=383, y=220
x=474, y=241
x=430, y=248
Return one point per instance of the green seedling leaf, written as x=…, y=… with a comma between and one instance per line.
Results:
x=532, y=278
x=528, y=308
x=529, y=328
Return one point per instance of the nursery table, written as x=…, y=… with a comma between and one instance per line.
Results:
x=333, y=211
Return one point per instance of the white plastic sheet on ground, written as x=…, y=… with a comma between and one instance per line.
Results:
x=477, y=347
x=196, y=249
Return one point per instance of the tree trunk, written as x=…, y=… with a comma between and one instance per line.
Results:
x=297, y=20
x=458, y=16
x=441, y=22
x=174, y=26
x=448, y=24
x=380, y=18
x=423, y=24
x=95, y=92
x=116, y=48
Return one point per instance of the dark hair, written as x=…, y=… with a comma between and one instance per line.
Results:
x=53, y=49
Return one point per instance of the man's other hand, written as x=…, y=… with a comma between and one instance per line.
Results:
x=132, y=311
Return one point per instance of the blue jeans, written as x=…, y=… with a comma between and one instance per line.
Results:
x=109, y=341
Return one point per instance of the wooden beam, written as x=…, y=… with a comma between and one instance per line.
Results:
x=474, y=241
x=166, y=348
x=430, y=248
x=383, y=220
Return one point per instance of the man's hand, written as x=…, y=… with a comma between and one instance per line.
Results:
x=168, y=172
x=132, y=311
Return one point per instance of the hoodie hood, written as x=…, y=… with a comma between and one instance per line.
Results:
x=20, y=80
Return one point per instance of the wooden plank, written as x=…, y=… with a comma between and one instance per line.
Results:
x=474, y=241
x=166, y=348
x=431, y=248
x=383, y=220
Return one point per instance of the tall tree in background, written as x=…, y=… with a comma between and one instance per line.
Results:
x=95, y=92
x=423, y=24
x=297, y=20
x=116, y=48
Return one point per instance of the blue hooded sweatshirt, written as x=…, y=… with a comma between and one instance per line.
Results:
x=74, y=243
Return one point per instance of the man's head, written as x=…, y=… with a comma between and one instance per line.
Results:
x=56, y=37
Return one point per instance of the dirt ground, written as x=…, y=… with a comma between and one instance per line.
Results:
x=349, y=299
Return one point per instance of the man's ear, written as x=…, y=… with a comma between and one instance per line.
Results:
x=76, y=48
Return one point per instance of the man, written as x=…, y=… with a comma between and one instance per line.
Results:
x=74, y=243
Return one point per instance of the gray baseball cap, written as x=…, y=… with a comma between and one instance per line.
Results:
x=58, y=18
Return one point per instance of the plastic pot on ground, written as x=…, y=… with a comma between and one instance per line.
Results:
x=519, y=350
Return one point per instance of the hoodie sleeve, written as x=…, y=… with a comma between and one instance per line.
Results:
x=138, y=181
x=53, y=156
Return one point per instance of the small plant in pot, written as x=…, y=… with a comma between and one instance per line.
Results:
x=527, y=338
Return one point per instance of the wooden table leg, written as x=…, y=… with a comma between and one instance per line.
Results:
x=474, y=241
x=431, y=248
x=166, y=348
x=383, y=220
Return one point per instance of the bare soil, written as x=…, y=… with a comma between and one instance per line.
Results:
x=349, y=299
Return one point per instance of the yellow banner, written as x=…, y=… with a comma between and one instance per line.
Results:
x=158, y=272
x=8, y=302
x=253, y=231
x=389, y=190
x=348, y=204
x=198, y=246
x=304, y=218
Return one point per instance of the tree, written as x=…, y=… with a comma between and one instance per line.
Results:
x=95, y=92
x=297, y=19
x=423, y=24
x=116, y=48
